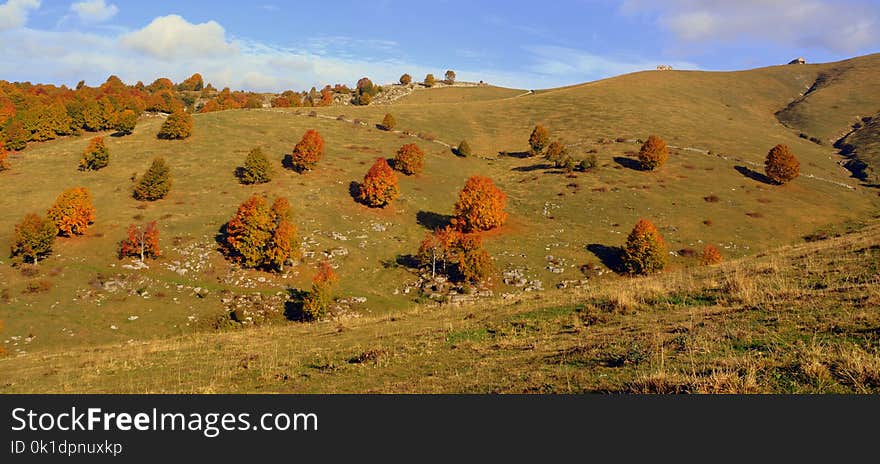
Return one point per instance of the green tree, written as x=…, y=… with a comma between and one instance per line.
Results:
x=256, y=169
x=538, y=140
x=126, y=122
x=34, y=238
x=96, y=156
x=155, y=183
x=178, y=125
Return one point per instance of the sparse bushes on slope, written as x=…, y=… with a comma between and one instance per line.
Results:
x=645, y=250
x=96, y=155
x=178, y=125
x=480, y=206
x=72, y=212
x=589, y=163
x=307, y=152
x=380, y=185
x=781, y=165
x=155, y=183
x=556, y=153
x=538, y=139
x=260, y=236
x=142, y=241
x=410, y=159
x=33, y=240
x=256, y=169
x=653, y=153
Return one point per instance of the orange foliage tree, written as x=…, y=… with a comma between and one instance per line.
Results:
x=380, y=185
x=711, y=256
x=142, y=241
x=438, y=248
x=474, y=263
x=307, y=152
x=72, y=212
x=653, y=153
x=781, y=165
x=405, y=79
x=388, y=122
x=261, y=236
x=178, y=125
x=538, y=139
x=480, y=206
x=4, y=158
x=410, y=159
x=317, y=301
x=193, y=83
x=645, y=250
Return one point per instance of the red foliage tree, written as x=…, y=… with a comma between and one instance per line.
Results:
x=645, y=250
x=781, y=165
x=142, y=241
x=72, y=212
x=410, y=159
x=480, y=206
x=711, y=256
x=438, y=247
x=380, y=185
x=307, y=152
x=261, y=236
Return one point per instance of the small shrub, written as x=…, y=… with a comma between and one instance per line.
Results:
x=464, y=149
x=155, y=183
x=388, y=122
x=538, y=139
x=317, y=302
x=307, y=152
x=645, y=250
x=40, y=286
x=588, y=164
x=556, y=153
x=711, y=199
x=710, y=256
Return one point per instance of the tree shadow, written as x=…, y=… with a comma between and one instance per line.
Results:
x=293, y=307
x=433, y=221
x=515, y=154
x=354, y=190
x=628, y=163
x=534, y=167
x=408, y=261
x=754, y=175
x=609, y=255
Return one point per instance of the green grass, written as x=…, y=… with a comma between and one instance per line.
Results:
x=566, y=221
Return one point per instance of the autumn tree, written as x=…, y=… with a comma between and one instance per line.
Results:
x=430, y=80
x=178, y=125
x=410, y=159
x=4, y=158
x=155, y=183
x=388, y=122
x=710, y=256
x=480, y=206
x=256, y=169
x=261, y=236
x=193, y=83
x=379, y=187
x=653, y=153
x=96, y=155
x=781, y=165
x=142, y=241
x=645, y=250
x=405, y=79
x=307, y=152
x=474, y=263
x=72, y=212
x=438, y=249
x=556, y=153
x=464, y=149
x=365, y=91
x=450, y=76
x=33, y=240
x=125, y=122
x=16, y=136
x=317, y=302
x=539, y=139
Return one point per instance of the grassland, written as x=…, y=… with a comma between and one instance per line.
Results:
x=802, y=319
x=83, y=300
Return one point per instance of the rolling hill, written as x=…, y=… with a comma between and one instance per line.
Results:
x=561, y=233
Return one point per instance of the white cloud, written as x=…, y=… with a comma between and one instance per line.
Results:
x=94, y=10
x=14, y=13
x=844, y=26
x=170, y=37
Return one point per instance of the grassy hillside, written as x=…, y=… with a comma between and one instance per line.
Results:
x=863, y=148
x=562, y=231
x=799, y=320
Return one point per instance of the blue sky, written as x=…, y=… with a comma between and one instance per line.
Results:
x=273, y=45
